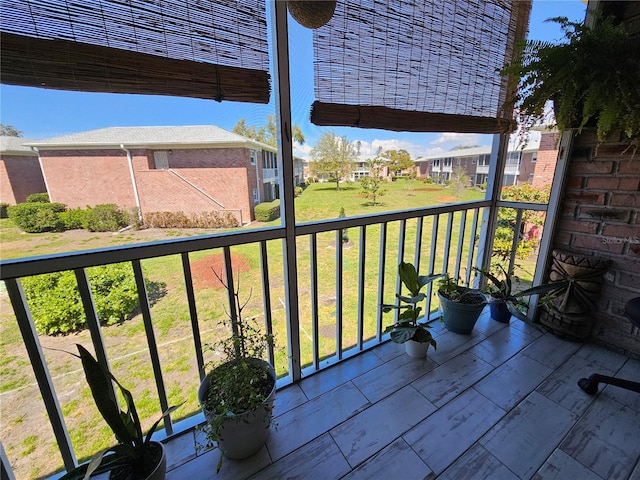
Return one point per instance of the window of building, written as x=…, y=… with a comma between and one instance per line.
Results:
x=256, y=199
x=253, y=155
x=534, y=157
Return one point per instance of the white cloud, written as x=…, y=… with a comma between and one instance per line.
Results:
x=456, y=139
x=415, y=149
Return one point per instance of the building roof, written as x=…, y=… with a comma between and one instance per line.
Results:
x=163, y=136
x=15, y=145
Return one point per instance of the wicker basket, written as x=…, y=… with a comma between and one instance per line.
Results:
x=311, y=13
x=571, y=312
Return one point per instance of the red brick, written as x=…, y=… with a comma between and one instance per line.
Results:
x=613, y=183
x=629, y=167
x=625, y=199
x=578, y=226
x=592, y=198
x=596, y=244
x=612, y=150
x=561, y=240
x=587, y=167
x=574, y=182
x=623, y=231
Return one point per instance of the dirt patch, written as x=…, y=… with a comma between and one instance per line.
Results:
x=447, y=199
x=428, y=189
x=203, y=276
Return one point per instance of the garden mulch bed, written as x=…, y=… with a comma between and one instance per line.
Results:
x=202, y=269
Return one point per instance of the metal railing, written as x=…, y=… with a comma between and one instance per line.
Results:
x=356, y=278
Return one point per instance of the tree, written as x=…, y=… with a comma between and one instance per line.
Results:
x=398, y=160
x=333, y=157
x=459, y=180
x=9, y=131
x=268, y=133
x=372, y=185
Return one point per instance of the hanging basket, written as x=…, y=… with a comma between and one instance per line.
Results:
x=311, y=13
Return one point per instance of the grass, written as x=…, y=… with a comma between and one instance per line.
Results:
x=126, y=344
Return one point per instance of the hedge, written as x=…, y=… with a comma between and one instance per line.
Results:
x=37, y=217
x=267, y=211
x=55, y=302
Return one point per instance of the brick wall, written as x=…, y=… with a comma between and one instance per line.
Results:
x=79, y=178
x=600, y=215
x=545, y=164
x=199, y=180
x=20, y=176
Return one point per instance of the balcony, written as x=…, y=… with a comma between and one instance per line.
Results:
x=500, y=403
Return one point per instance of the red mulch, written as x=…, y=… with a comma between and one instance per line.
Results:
x=203, y=276
x=427, y=189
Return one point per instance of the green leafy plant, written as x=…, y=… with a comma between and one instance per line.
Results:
x=590, y=76
x=106, y=217
x=55, y=302
x=448, y=287
x=500, y=288
x=240, y=381
x=38, y=198
x=37, y=217
x=134, y=454
x=267, y=211
x=408, y=327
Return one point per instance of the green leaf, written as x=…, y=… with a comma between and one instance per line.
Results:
x=427, y=279
x=100, y=383
x=403, y=334
x=409, y=277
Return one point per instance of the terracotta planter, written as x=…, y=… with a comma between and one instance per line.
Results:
x=571, y=313
x=416, y=349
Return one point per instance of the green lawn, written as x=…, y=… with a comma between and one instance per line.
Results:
x=126, y=344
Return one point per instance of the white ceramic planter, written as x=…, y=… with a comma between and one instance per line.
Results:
x=243, y=435
x=416, y=349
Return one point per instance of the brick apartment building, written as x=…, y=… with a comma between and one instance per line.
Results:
x=20, y=173
x=534, y=164
x=190, y=169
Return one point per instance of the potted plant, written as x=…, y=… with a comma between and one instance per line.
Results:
x=460, y=306
x=237, y=395
x=504, y=302
x=408, y=330
x=135, y=457
x=590, y=76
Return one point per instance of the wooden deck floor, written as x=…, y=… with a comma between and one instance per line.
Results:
x=501, y=403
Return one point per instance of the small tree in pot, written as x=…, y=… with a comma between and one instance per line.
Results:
x=408, y=330
x=236, y=396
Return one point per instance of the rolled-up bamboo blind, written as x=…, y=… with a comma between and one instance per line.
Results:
x=410, y=65
x=214, y=49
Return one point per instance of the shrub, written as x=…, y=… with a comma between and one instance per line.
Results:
x=105, y=218
x=74, y=218
x=181, y=220
x=55, y=302
x=3, y=210
x=38, y=198
x=297, y=191
x=267, y=211
x=37, y=217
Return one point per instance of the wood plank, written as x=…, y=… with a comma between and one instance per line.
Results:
x=524, y=439
x=445, y=435
x=372, y=429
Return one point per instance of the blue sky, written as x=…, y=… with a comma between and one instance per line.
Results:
x=42, y=113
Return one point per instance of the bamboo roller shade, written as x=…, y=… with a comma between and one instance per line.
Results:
x=214, y=49
x=411, y=65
